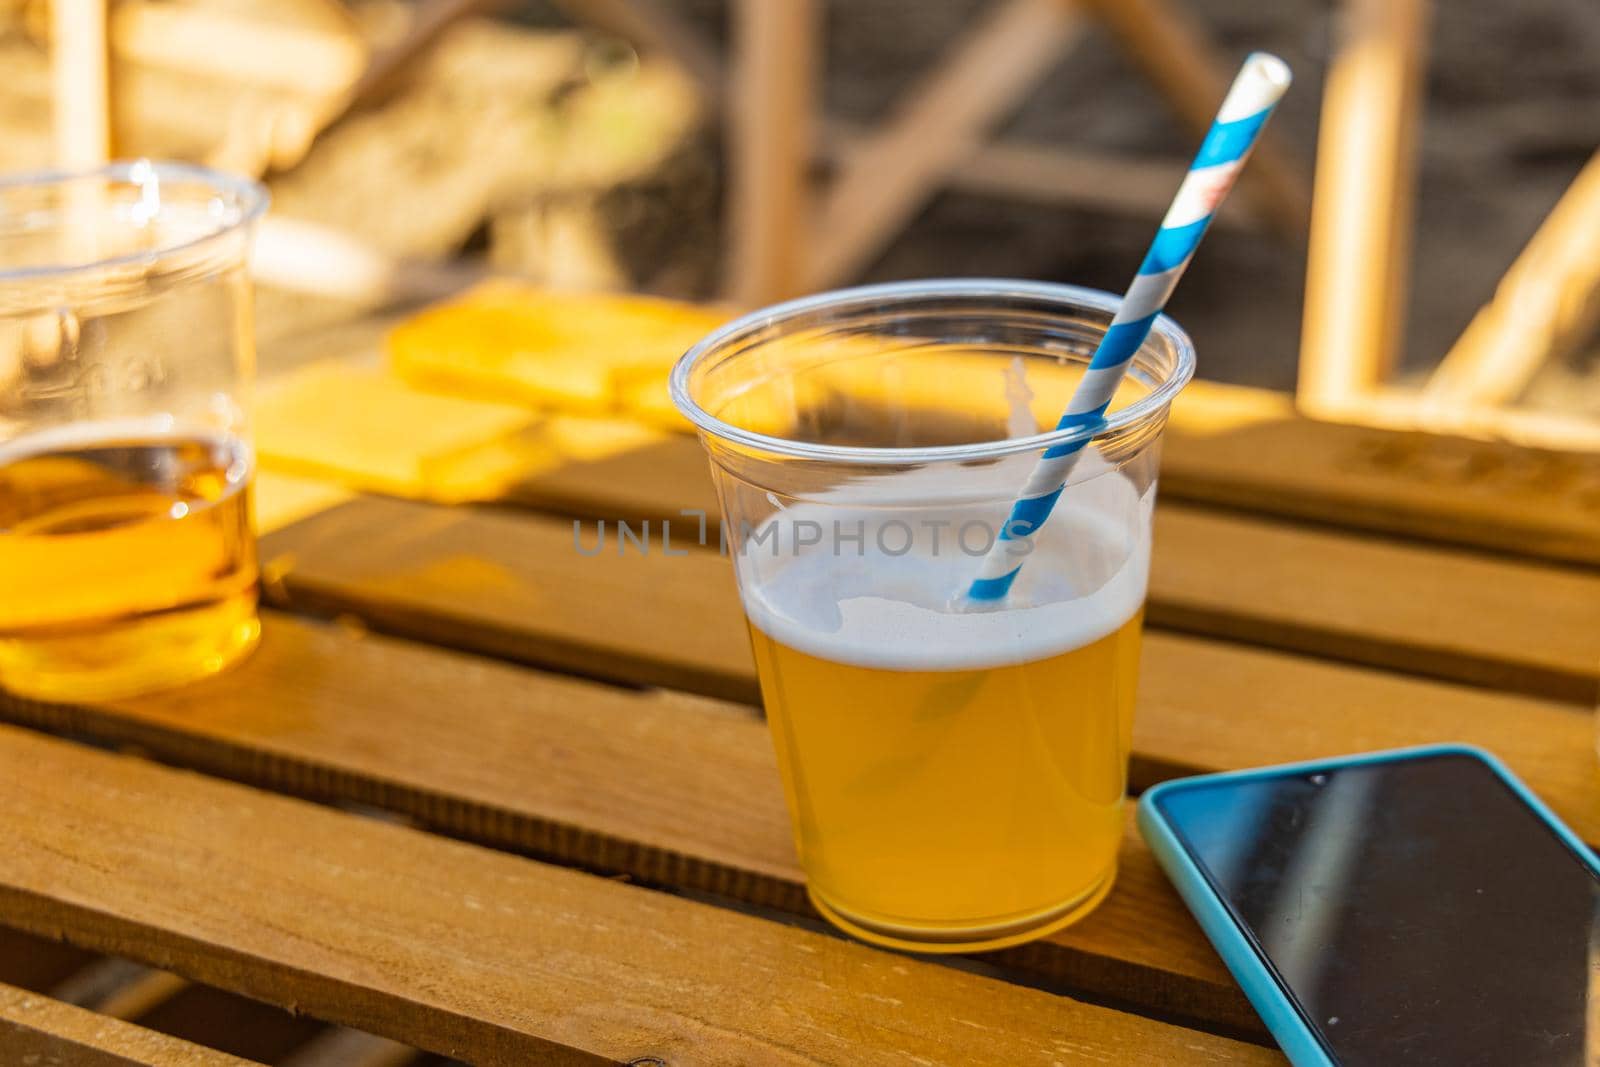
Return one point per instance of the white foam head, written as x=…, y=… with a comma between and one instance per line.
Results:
x=893, y=599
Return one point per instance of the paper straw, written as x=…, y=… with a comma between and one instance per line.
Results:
x=1256, y=90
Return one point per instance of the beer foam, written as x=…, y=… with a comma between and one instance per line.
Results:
x=874, y=605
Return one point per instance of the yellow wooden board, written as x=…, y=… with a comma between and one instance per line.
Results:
x=331, y=429
x=363, y=428
x=577, y=352
x=587, y=353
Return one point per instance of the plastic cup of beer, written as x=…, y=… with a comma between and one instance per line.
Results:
x=127, y=561
x=954, y=772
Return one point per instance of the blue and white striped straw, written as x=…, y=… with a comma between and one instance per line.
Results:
x=1256, y=91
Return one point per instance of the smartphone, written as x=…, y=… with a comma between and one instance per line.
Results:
x=1411, y=907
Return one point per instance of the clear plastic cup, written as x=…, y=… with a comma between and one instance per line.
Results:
x=127, y=560
x=954, y=773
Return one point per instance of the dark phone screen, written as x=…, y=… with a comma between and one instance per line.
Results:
x=1417, y=910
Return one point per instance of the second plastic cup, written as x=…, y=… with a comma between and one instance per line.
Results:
x=127, y=560
x=955, y=774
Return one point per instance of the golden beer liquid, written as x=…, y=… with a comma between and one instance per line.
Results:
x=126, y=564
x=955, y=810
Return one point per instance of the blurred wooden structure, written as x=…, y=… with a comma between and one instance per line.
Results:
x=491, y=126
x=788, y=233
x=80, y=97
x=1360, y=221
x=937, y=133
x=1356, y=281
x=1358, y=262
x=1548, y=302
x=769, y=119
x=243, y=86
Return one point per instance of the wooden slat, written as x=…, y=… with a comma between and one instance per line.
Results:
x=889, y=176
x=1359, y=262
x=1508, y=624
x=1407, y=407
x=1209, y=706
x=477, y=954
x=769, y=133
x=511, y=586
x=1247, y=449
x=1546, y=305
x=514, y=586
x=37, y=1030
x=79, y=83
x=1522, y=627
x=666, y=788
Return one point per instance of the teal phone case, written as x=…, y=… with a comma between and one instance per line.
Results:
x=1271, y=1001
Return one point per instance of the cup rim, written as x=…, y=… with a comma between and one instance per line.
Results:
x=1076, y=297
x=252, y=198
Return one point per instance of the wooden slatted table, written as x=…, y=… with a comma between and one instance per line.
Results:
x=492, y=799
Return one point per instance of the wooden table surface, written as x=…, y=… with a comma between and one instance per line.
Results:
x=481, y=796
